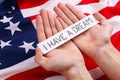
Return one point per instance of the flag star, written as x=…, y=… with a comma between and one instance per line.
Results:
x=4, y=44
x=27, y=46
x=5, y=19
x=13, y=7
x=9, y=11
x=13, y=27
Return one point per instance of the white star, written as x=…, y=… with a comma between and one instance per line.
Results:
x=5, y=19
x=4, y=44
x=9, y=11
x=27, y=46
x=13, y=27
x=13, y=7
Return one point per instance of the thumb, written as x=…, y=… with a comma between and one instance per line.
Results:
x=101, y=19
x=104, y=23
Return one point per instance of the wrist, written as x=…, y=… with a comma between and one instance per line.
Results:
x=108, y=60
x=78, y=72
x=101, y=50
x=106, y=54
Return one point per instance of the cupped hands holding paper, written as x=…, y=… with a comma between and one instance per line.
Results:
x=66, y=59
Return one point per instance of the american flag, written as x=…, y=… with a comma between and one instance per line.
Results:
x=18, y=35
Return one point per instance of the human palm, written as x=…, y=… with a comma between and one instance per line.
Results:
x=93, y=39
x=90, y=40
x=61, y=58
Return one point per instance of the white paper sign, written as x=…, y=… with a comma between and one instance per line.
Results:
x=67, y=34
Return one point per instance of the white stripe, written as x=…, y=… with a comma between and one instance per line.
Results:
x=34, y=23
x=20, y=67
x=48, y=6
x=57, y=77
x=96, y=73
x=115, y=22
x=95, y=7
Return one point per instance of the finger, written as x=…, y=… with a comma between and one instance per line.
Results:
x=40, y=29
x=68, y=13
x=75, y=11
x=64, y=25
x=52, y=23
x=102, y=20
x=104, y=23
x=58, y=25
x=39, y=58
x=46, y=23
x=62, y=15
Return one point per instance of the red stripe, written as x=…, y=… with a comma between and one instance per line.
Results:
x=109, y=12
x=90, y=64
x=116, y=40
x=33, y=17
x=88, y=1
x=34, y=74
x=23, y=4
x=104, y=78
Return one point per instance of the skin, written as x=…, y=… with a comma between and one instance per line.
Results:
x=69, y=14
x=96, y=46
x=66, y=59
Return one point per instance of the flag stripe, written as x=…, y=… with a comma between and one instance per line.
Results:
x=48, y=6
x=30, y=3
x=26, y=65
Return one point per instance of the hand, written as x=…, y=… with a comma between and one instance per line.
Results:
x=91, y=40
x=62, y=59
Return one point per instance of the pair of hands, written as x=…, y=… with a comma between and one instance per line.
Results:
x=69, y=56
